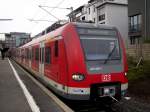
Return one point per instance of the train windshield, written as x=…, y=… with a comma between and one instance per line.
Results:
x=101, y=45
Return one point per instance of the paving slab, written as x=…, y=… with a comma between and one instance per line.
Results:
x=12, y=98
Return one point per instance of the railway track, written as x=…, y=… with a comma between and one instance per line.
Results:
x=71, y=106
x=80, y=106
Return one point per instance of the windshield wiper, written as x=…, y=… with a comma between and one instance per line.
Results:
x=109, y=55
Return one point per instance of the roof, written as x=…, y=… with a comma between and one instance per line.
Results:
x=76, y=10
x=92, y=25
x=58, y=32
x=45, y=37
x=90, y=1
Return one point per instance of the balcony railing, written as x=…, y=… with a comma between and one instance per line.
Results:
x=135, y=30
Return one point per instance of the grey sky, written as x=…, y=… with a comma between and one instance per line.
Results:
x=22, y=10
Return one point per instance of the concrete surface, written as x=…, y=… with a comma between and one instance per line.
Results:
x=12, y=98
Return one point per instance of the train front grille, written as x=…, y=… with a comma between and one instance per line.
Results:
x=103, y=90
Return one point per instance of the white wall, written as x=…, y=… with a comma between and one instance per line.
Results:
x=117, y=15
x=100, y=2
x=92, y=13
x=119, y=1
x=2, y=36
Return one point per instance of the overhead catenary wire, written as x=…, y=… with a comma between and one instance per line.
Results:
x=57, y=5
x=42, y=20
x=69, y=8
x=33, y=27
x=49, y=13
x=6, y=19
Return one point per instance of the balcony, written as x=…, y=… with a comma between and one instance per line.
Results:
x=135, y=30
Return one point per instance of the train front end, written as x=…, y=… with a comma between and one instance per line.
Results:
x=96, y=63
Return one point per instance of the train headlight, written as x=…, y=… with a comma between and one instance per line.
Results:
x=78, y=77
x=125, y=73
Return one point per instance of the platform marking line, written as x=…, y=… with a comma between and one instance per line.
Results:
x=27, y=94
x=63, y=106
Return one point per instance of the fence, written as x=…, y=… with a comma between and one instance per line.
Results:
x=137, y=51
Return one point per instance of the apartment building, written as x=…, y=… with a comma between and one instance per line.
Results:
x=15, y=39
x=108, y=12
x=139, y=21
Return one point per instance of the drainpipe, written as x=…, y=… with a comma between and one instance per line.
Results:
x=145, y=32
x=145, y=19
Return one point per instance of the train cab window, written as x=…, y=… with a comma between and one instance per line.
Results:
x=104, y=44
x=37, y=54
x=47, y=55
x=56, y=48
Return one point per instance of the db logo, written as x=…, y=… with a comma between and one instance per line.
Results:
x=106, y=78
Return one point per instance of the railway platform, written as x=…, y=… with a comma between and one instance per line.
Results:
x=12, y=98
x=18, y=93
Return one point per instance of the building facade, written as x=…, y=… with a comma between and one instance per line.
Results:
x=15, y=39
x=2, y=40
x=79, y=14
x=9, y=41
x=108, y=12
x=139, y=21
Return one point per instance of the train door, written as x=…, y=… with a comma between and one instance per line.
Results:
x=30, y=56
x=41, y=62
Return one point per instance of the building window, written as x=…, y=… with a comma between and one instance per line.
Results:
x=94, y=8
x=101, y=17
x=135, y=23
x=94, y=20
x=89, y=10
x=83, y=18
x=47, y=55
x=102, y=23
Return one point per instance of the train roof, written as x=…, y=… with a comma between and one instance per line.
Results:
x=92, y=25
x=44, y=37
x=59, y=31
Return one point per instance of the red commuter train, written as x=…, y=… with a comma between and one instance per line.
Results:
x=79, y=61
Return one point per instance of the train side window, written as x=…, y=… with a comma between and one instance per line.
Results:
x=40, y=55
x=28, y=54
x=56, y=48
x=25, y=53
x=37, y=54
x=32, y=53
x=47, y=55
